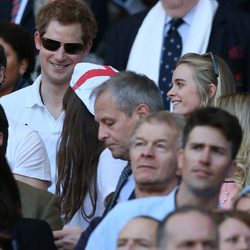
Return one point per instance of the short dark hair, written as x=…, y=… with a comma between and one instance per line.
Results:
x=161, y=238
x=3, y=59
x=217, y=118
x=21, y=41
x=4, y=125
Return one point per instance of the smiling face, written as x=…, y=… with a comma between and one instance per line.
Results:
x=138, y=234
x=234, y=235
x=57, y=66
x=115, y=126
x=184, y=93
x=153, y=155
x=205, y=161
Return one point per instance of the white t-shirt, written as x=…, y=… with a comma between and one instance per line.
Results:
x=108, y=173
x=26, y=153
x=25, y=106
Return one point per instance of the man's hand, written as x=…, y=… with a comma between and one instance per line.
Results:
x=67, y=238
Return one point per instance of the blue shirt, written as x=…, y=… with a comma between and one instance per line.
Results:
x=105, y=235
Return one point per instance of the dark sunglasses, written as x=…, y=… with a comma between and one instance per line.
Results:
x=70, y=48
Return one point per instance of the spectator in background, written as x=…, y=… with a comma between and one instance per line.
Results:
x=24, y=233
x=119, y=103
x=238, y=105
x=138, y=233
x=65, y=31
x=3, y=64
x=19, y=12
x=188, y=228
x=242, y=200
x=234, y=230
x=198, y=81
x=26, y=154
x=20, y=52
x=35, y=203
x=87, y=172
x=211, y=140
x=223, y=29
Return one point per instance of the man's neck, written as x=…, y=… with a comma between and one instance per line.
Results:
x=185, y=197
x=148, y=191
x=180, y=12
x=52, y=96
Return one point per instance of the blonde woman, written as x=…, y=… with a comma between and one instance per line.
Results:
x=199, y=80
x=238, y=105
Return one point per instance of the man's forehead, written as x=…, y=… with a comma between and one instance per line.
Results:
x=162, y=131
x=207, y=135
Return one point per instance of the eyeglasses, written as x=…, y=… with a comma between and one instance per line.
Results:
x=70, y=48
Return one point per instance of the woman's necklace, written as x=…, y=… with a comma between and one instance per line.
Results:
x=226, y=195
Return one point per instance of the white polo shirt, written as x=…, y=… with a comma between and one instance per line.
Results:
x=26, y=153
x=25, y=106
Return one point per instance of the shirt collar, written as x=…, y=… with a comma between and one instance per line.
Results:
x=187, y=18
x=35, y=98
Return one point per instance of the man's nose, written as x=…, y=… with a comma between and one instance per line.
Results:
x=102, y=133
x=205, y=156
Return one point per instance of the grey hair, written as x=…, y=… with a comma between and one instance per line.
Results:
x=129, y=90
x=174, y=120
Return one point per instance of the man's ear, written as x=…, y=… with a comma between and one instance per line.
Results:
x=142, y=110
x=1, y=138
x=23, y=66
x=212, y=90
x=180, y=164
x=37, y=40
x=2, y=74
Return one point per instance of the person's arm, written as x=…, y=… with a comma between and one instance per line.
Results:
x=52, y=212
x=27, y=156
x=41, y=184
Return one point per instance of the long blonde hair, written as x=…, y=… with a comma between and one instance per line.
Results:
x=238, y=105
x=205, y=67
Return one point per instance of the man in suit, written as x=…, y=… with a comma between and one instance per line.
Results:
x=135, y=43
x=25, y=14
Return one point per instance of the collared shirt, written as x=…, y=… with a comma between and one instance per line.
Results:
x=184, y=28
x=25, y=106
x=105, y=235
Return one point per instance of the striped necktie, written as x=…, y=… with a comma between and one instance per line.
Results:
x=126, y=172
x=14, y=10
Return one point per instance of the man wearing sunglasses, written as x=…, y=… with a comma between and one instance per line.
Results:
x=65, y=30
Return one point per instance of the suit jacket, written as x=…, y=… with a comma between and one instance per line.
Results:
x=229, y=38
x=31, y=234
x=28, y=18
x=39, y=204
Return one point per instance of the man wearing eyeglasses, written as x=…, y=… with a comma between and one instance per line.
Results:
x=65, y=30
